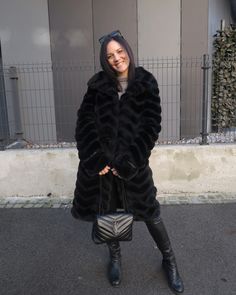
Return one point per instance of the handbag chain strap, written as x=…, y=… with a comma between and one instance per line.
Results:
x=124, y=195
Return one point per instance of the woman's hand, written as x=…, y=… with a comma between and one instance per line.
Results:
x=107, y=169
x=104, y=170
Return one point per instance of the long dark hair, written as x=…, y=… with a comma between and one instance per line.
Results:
x=107, y=67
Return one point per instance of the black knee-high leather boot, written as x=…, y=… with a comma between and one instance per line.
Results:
x=114, y=267
x=158, y=232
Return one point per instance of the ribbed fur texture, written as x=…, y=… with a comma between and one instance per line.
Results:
x=120, y=133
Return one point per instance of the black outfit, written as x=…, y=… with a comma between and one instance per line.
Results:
x=121, y=132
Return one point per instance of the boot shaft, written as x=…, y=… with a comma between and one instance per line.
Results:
x=159, y=234
x=114, y=250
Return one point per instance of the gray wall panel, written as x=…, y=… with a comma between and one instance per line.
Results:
x=159, y=44
x=218, y=10
x=111, y=15
x=194, y=44
x=25, y=42
x=71, y=30
x=75, y=27
x=72, y=50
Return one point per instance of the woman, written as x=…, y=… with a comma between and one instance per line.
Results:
x=117, y=127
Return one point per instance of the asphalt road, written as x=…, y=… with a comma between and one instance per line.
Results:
x=47, y=252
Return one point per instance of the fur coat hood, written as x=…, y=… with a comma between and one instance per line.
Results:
x=120, y=133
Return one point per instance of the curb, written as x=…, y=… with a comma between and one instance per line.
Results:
x=66, y=202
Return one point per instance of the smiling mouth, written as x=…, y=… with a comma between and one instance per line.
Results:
x=119, y=64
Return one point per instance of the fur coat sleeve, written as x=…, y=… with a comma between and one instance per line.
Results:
x=91, y=154
x=137, y=153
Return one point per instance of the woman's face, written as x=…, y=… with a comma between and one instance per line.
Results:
x=118, y=58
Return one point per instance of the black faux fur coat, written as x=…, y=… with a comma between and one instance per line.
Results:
x=120, y=133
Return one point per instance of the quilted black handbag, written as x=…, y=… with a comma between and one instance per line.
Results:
x=114, y=226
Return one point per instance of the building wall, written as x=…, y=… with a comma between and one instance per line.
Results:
x=24, y=31
x=194, y=24
x=159, y=51
x=218, y=10
x=200, y=20
x=24, y=34
x=158, y=28
x=71, y=31
x=121, y=15
x=155, y=29
x=75, y=27
x=194, y=43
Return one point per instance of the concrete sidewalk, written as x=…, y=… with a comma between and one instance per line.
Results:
x=46, y=252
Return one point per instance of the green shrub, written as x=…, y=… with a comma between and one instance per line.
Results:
x=223, y=103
